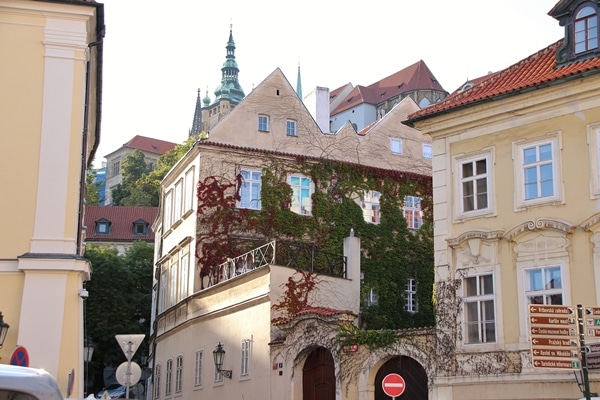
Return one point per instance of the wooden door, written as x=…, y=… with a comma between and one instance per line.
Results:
x=318, y=376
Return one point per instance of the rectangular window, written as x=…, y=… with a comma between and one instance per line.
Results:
x=412, y=212
x=173, y=275
x=167, y=216
x=178, y=200
x=396, y=146
x=427, y=152
x=586, y=30
x=116, y=168
x=544, y=285
x=538, y=175
x=479, y=309
x=263, y=123
x=250, y=189
x=302, y=194
x=474, y=184
x=371, y=298
x=410, y=293
x=168, y=376
x=162, y=301
x=157, y=381
x=246, y=354
x=537, y=172
x=189, y=194
x=184, y=266
x=371, y=207
x=291, y=128
x=179, y=374
x=198, y=368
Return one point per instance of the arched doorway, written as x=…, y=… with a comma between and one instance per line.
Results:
x=318, y=376
x=414, y=376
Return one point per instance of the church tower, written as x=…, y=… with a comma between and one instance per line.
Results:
x=227, y=95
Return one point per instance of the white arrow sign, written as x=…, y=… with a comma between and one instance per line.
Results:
x=129, y=344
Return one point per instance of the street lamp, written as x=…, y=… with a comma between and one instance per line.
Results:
x=219, y=354
x=88, y=350
x=3, y=329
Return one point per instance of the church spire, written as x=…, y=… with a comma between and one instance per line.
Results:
x=299, y=83
x=230, y=88
x=197, y=123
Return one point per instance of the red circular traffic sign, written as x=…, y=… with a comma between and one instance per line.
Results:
x=20, y=357
x=393, y=385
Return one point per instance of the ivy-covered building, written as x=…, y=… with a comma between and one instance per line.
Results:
x=306, y=256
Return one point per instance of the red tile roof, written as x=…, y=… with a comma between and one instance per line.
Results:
x=150, y=145
x=535, y=71
x=121, y=219
x=414, y=77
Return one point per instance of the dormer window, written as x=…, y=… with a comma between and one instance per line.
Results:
x=140, y=228
x=103, y=226
x=586, y=30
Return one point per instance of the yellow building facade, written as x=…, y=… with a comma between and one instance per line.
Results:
x=50, y=101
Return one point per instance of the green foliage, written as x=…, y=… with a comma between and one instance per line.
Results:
x=392, y=253
x=374, y=339
x=119, y=301
x=141, y=183
x=92, y=190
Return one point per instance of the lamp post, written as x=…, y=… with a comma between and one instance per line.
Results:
x=3, y=329
x=219, y=354
x=88, y=350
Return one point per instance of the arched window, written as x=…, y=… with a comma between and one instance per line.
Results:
x=586, y=30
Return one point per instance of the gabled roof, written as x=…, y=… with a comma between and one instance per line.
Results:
x=414, y=77
x=536, y=71
x=149, y=145
x=121, y=219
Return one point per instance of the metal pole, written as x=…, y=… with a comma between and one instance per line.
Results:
x=584, y=368
x=128, y=382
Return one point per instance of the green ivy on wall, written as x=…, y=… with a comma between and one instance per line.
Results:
x=392, y=253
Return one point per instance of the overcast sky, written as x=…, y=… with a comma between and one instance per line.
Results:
x=157, y=54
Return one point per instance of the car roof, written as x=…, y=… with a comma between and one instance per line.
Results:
x=33, y=381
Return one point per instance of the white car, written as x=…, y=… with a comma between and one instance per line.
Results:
x=22, y=383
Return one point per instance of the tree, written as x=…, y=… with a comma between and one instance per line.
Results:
x=134, y=167
x=119, y=302
x=92, y=189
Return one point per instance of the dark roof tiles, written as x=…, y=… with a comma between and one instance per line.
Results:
x=121, y=219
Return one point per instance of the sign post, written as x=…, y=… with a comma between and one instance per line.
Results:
x=393, y=385
x=129, y=344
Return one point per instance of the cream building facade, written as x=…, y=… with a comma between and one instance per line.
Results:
x=516, y=178
x=50, y=101
x=234, y=302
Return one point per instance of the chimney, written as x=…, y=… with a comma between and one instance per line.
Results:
x=317, y=103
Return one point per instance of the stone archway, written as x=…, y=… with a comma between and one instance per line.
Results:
x=415, y=378
x=318, y=376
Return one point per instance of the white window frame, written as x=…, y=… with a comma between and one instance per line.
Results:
x=593, y=139
x=588, y=34
x=410, y=289
x=177, y=200
x=290, y=128
x=371, y=298
x=459, y=160
x=156, y=383
x=396, y=146
x=164, y=284
x=427, y=151
x=412, y=212
x=263, y=123
x=168, y=377
x=247, y=189
x=184, y=270
x=554, y=139
x=168, y=214
x=179, y=374
x=371, y=206
x=479, y=299
x=301, y=204
x=189, y=192
x=246, y=358
x=544, y=295
x=173, y=281
x=198, y=366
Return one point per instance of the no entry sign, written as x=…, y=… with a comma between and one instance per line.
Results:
x=393, y=385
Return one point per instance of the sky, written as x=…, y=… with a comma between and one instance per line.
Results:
x=157, y=54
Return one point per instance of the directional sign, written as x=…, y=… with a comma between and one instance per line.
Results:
x=592, y=332
x=555, y=331
x=552, y=320
x=547, y=309
x=393, y=385
x=551, y=342
x=592, y=321
x=556, y=364
x=592, y=311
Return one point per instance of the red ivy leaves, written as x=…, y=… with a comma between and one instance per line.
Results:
x=296, y=294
